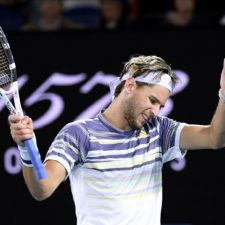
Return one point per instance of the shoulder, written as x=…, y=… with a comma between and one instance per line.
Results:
x=80, y=126
x=163, y=122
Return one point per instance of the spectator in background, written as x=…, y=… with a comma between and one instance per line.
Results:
x=50, y=18
x=86, y=12
x=114, y=14
x=182, y=14
x=185, y=13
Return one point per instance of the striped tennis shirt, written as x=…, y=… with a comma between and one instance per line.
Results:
x=116, y=175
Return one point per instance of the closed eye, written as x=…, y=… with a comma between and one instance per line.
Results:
x=155, y=101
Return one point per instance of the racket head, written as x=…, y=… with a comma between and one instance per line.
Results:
x=7, y=64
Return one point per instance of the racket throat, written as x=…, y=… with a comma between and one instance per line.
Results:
x=16, y=99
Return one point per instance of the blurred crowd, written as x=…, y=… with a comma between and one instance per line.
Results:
x=56, y=15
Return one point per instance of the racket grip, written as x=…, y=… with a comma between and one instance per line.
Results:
x=35, y=159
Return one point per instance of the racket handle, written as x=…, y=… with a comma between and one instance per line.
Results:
x=35, y=159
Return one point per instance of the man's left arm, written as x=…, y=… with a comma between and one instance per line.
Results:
x=211, y=136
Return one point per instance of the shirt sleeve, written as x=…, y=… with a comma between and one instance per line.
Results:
x=65, y=147
x=170, y=131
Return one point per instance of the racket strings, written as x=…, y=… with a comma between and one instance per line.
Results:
x=5, y=73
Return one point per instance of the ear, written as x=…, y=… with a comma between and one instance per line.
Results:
x=130, y=85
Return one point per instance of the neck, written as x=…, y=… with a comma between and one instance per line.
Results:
x=114, y=115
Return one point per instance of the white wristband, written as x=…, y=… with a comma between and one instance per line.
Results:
x=221, y=96
x=25, y=157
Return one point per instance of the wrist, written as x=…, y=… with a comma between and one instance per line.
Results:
x=24, y=154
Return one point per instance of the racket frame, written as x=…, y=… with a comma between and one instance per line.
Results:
x=13, y=89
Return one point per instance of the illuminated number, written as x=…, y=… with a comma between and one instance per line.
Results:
x=92, y=110
x=12, y=158
x=12, y=161
x=104, y=79
x=57, y=104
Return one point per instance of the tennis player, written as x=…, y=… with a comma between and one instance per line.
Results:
x=114, y=161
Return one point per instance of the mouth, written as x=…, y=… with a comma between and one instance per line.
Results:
x=145, y=117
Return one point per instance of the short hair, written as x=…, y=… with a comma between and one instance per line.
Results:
x=141, y=64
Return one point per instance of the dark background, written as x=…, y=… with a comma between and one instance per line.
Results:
x=194, y=195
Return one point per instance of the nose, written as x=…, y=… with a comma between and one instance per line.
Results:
x=154, y=110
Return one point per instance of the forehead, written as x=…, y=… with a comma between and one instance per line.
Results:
x=157, y=91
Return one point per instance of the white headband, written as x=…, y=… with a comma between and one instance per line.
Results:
x=149, y=78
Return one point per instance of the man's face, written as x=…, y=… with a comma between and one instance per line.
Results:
x=143, y=104
x=112, y=9
x=51, y=9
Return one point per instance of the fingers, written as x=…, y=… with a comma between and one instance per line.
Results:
x=21, y=128
x=14, y=118
x=27, y=121
x=19, y=119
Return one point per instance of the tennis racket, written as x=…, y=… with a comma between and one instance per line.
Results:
x=8, y=86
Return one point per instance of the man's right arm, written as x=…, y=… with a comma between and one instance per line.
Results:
x=22, y=129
